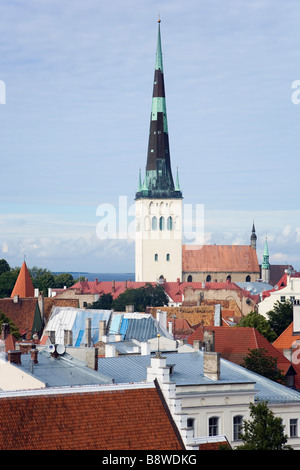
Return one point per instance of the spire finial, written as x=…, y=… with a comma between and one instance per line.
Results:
x=159, y=20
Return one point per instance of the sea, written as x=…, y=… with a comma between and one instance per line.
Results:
x=102, y=276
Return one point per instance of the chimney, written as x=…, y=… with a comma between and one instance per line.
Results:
x=102, y=329
x=197, y=345
x=170, y=327
x=161, y=317
x=16, y=299
x=88, y=332
x=14, y=356
x=34, y=354
x=211, y=359
x=145, y=349
x=125, y=285
x=68, y=337
x=129, y=308
x=218, y=316
x=113, y=286
x=5, y=330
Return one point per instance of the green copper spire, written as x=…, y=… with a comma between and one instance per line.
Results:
x=159, y=61
x=158, y=179
x=266, y=263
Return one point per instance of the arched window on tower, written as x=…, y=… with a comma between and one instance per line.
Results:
x=168, y=257
x=170, y=223
x=156, y=257
x=162, y=223
x=248, y=278
x=228, y=278
x=190, y=278
x=208, y=278
x=154, y=223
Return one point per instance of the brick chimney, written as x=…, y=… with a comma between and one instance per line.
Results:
x=5, y=330
x=34, y=354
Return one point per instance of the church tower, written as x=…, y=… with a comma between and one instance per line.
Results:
x=158, y=201
x=265, y=267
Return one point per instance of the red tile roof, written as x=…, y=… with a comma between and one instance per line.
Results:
x=234, y=343
x=133, y=418
x=23, y=286
x=21, y=313
x=175, y=290
x=219, y=258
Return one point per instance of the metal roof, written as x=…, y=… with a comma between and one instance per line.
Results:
x=188, y=370
x=64, y=370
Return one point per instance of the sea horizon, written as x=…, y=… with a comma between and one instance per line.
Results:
x=100, y=276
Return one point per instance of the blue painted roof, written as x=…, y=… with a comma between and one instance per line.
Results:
x=188, y=370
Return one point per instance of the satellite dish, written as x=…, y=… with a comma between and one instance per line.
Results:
x=60, y=349
x=51, y=348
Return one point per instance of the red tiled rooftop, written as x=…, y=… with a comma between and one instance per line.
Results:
x=122, y=419
x=235, y=342
x=219, y=258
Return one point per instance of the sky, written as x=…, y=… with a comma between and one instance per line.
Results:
x=76, y=84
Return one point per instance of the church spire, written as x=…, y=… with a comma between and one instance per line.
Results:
x=158, y=179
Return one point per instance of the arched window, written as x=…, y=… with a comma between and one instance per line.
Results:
x=156, y=257
x=237, y=427
x=248, y=278
x=162, y=223
x=213, y=426
x=154, y=223
x=228, y=278
x=168, y=257
x=191, y=424
x=190, y=278
x=170, y=223
x=208, y=278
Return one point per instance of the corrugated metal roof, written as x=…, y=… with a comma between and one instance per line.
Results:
x=73, y=319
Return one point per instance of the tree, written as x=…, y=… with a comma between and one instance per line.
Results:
x=104, y=302
x=63, y=279
x=257, y=361
x=4, y=266
x=147, y=296
x=13, y=328
x=281, y=316
x=7, y=281
x=257, y=321
x=264, y=432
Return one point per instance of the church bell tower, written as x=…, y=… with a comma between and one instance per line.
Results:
x=158, y=201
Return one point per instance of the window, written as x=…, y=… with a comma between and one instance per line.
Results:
x=208, y=278
x=213, y=426
x=228, y=278
x=190, y=278
x=168, y=257
x=191, y=424
x=161, y=223
x=154, y=223
x=282, y=298
x=170, y=223
x=248, y=278
x=293, y=427
x=237, y=427
x=156, y=257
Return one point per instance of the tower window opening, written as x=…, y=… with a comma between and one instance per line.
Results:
x=168, y=257
x=154, y=223
x=156, y=257
x=190, y=278
x=170, y=223
x=162, y=223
